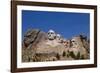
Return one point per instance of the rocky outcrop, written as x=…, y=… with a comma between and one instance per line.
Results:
x=41, y=46
x=30, y=42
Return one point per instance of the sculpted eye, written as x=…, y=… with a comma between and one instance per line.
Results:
x=73, y=41
x=48, y=33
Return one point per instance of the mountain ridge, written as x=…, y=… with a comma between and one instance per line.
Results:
x=40, y=46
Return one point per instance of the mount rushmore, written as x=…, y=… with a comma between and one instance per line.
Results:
x=38, y=46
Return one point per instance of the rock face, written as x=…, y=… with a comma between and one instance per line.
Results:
x=30, y=42
x=39, y=46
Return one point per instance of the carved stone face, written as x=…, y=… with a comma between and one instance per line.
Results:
x=58, y=37
x=51, y=35
x=74, y=43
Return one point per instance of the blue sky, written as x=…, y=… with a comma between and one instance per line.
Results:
x=65, y=23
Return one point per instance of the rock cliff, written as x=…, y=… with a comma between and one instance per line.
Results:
x=40, y=46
